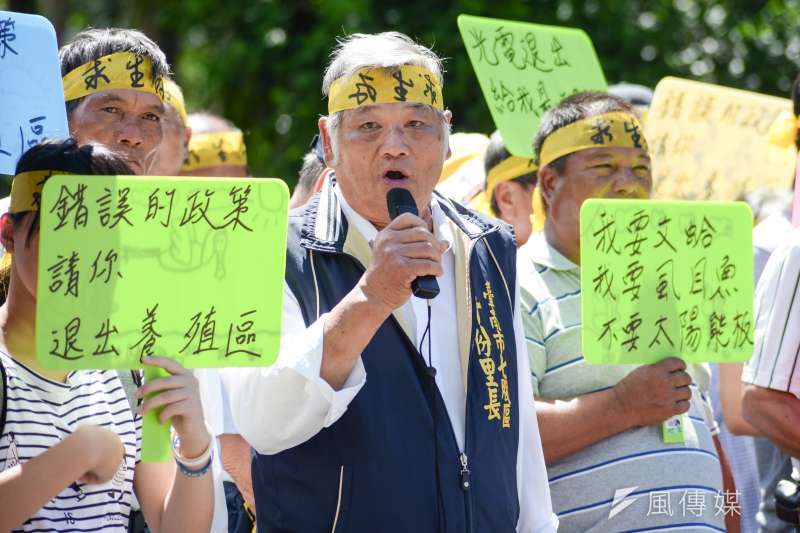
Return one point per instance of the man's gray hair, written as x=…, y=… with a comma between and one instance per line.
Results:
x=389, y=49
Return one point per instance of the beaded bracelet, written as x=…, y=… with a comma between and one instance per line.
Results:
x=186, y=471
x=196, y=466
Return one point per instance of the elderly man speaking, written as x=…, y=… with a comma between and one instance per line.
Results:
x=387, y=412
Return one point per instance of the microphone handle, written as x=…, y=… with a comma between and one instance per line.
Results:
x=425, y=287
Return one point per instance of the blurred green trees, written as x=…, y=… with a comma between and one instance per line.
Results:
x=260, y=62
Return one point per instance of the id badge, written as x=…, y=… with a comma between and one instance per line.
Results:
x=672, y=430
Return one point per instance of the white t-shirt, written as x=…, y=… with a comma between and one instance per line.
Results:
x=41, y=412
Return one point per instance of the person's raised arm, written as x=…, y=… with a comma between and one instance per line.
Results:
x=172, y=500
x=401, y=252
x=319, y=369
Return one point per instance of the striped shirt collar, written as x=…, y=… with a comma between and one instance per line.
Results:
x=542, y=253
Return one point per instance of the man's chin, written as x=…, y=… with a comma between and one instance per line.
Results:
x=136, y=166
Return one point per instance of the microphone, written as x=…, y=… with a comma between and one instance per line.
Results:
x=400, y=201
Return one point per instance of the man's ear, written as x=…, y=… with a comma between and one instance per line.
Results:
x=7, y=232
x=326, y=140
x=548, y=183
x=504, y=197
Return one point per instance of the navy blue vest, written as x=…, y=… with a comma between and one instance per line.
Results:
x=375, y=468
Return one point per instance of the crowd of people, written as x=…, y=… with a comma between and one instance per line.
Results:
x=392, y=408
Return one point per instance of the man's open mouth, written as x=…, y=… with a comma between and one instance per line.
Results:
x=394, y=176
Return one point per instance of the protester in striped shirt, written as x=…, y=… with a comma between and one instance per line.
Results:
x=69, y=441
x=771, y=398
x=608, y=467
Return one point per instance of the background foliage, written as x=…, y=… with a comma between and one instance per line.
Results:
x=260, y=62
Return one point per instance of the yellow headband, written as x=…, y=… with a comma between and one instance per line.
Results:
x=224, y=148
x=783, y=131
x=609, y=129
x=510, y=168
x=173, y=96
x=26, y=189
x=120, y=70
x=379, y=85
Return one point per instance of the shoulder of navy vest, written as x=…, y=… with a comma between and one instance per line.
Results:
x=477, y=224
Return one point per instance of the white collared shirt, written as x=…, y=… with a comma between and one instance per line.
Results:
x=282, y=406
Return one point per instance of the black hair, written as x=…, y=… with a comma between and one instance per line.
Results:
x=68, y=156
x=496, y=153
x=572, y=109
x=95, y=43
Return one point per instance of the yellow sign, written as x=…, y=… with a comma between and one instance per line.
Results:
x=711, y=143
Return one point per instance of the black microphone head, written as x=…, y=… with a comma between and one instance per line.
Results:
x=400, y=201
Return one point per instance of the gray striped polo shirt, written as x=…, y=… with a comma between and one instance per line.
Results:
x=631, y=481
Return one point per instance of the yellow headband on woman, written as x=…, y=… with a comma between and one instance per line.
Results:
x=609, y=129
x=120, y=70
x=224, y=148
x=385, y=85
x=26, y=189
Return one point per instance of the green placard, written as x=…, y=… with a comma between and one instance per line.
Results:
x=661, y=279
x=186, y=268
x=525, y=69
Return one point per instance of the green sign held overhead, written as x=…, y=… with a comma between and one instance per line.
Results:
x=525, y=69
x=186, y=268
x=661, y=279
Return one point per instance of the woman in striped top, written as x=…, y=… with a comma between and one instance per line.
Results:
x=69, y=442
